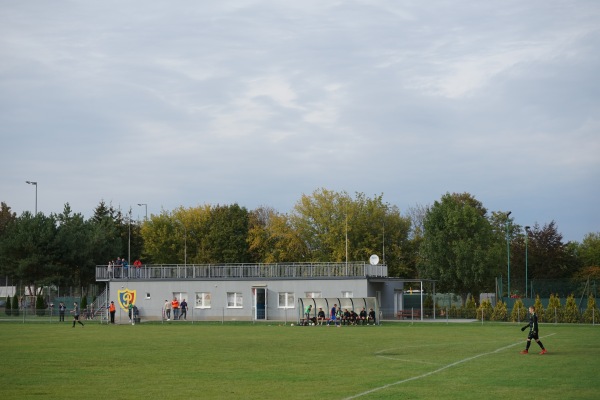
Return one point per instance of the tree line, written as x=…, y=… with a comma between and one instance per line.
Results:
x=455, y=241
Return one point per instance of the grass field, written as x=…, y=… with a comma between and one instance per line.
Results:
x=268, y=361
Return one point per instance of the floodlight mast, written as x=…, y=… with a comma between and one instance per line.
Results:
x=526, y=240
x=36, y=185
x=508, y=252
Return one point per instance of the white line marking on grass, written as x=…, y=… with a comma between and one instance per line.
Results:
x=391, y=357
x=425, y=375
x=407, y=360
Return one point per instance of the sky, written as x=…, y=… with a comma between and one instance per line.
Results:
x=259, y=102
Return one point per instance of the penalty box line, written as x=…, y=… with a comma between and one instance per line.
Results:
x=425, y=375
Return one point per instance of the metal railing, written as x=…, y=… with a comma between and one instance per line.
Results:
x=239, y=271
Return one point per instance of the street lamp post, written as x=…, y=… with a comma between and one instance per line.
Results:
x=508, y=251
x=35, y=184
x=526, y=240
x=146, y=207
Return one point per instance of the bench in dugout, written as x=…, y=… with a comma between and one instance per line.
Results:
x=409, y=314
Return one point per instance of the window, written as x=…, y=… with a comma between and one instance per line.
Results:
x=313, y=295
x=180, y=296
x=147, y=295
x=347, y=294
x=235, y=300
x=286, y=300
x=202, y=300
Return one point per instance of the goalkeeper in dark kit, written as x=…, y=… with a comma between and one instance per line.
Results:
x=533, y=332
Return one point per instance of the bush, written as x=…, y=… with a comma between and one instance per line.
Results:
x=554, y=311
x=519, y=312
x=8, y=308
x=453, y=312
x=470, y=307
x=591, y=314
x=539, y=309
x=486, y=309
x=40, y=307
x=15, y=306
x=571, y=312
x=500, y=312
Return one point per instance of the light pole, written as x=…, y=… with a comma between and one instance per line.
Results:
x=526, y=240
x=129, y=242
x=146, y=206
x=508, y=251
x=35, y=184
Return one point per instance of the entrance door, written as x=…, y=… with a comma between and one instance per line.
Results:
x=260, y=302
x=398, y=301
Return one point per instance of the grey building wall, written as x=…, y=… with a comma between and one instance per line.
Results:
x=151, y=296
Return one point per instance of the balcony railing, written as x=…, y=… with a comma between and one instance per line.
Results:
x=242, y=271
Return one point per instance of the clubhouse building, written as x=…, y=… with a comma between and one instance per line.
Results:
x=254, y=292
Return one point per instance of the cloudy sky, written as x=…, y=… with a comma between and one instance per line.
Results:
x=258, y=102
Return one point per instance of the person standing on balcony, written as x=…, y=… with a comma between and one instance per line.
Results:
x=125, y=268
x=138, y=267
x=110, y=269
x=118, y=268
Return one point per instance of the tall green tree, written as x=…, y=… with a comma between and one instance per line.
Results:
x=321, y=222
x=74, y=264
x=548, y=256
x=28, y=249
x=589, y=250
x=272, y=239
x=336, y=227
x=457, y=249
x=105, y=241
x=164, y=239
x=226, y=240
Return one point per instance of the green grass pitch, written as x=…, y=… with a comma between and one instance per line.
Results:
x=272, y=361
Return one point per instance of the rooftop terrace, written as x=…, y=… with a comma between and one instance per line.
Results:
x=242, y=271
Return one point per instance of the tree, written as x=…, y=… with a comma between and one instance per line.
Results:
x=105, y=243
x=539, y=309
x=519, y=312
x=571, y=312
x=164, y=239
x=589, y=250
x=28, y=249
x=485, y=309
x=8, y=307
x=321, y=223
x=591, y=313
x=272, y=239
x=458, y=246
x=549, y=257
x=336, y=227
x=226, y=240
x=15, y=306
x=554, y=310
x=500, y=312
x=6, y=217
x=74, y=263
x=40, y=307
